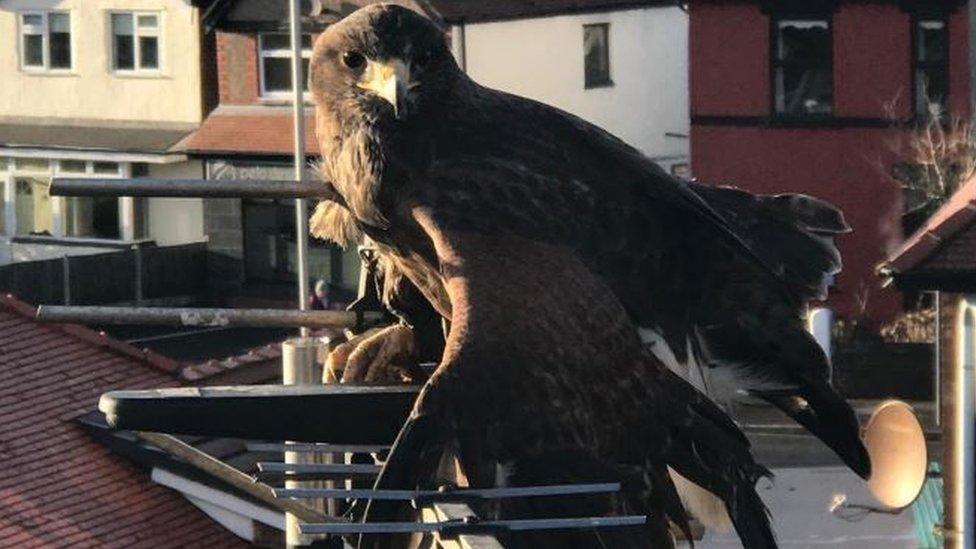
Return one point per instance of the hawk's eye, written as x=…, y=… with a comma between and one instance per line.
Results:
x=353, y=59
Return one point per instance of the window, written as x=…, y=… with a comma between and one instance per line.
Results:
x=271, y=249
x=596, y=55
x=803, y=68
x=36, y=212
x=45, y=41
x=91, y=217
x=135, y=42
x=72, y=167
x=106, y=168
x=931, y=86
x=276, y=63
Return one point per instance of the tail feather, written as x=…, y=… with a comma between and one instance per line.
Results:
x=822, y=412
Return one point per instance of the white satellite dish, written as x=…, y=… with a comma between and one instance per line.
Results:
x=899, y=459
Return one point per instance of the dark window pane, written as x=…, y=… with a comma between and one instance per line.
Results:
x=148, y=52
x=931, y=88
x=124, y=53
x=275, y=42
x=277, y=74
x=59, y=25
x=804, y=91
x=123, y=42
x=305, y=74
x=33, y=50
x=106, y=167
x=92, y=217
x=72, y=166
x=33, y=19
x=804, y=74
x=931, y=41
x=596, y=55
x=105, y=217
x=805, y=42
x=279, y=41
x=60, y=50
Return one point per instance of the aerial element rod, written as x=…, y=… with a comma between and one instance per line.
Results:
x=192, y=188
x=162, y=316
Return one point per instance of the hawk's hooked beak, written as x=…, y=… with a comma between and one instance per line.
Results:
x=390, y=80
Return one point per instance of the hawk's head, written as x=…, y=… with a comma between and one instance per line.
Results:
x=384, y=62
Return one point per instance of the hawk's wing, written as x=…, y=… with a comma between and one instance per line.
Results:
x=718, y=276
x=544, y=381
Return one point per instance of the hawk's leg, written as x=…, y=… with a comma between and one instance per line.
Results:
x=381, y=355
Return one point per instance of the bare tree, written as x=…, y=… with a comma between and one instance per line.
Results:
x=937, y=157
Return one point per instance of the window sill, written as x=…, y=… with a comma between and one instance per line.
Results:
x=49, y=73
x=819, y=122
x=282, y=101
x=137, y=75
x=78, y=241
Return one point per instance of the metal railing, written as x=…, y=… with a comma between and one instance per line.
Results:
x=311, y=510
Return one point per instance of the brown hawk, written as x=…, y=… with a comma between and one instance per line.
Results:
x=553, y=249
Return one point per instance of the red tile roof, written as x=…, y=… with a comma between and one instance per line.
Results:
x=248, y=130
x=58, y=487
x=940, y=244
x=251, y=358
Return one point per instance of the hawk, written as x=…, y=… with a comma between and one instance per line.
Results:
x=572, y=272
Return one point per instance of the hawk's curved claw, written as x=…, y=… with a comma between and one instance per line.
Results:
x=378, y=355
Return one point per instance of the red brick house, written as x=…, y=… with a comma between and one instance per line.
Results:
x=58, y=486
x=811, y=96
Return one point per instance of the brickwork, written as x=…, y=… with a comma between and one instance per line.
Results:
x=237, y=68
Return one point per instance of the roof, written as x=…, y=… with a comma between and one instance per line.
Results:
x=25, y=134
x=259, y=364
x=248, y=131
x=264, y=14
x=933, y=240
x=58, y=487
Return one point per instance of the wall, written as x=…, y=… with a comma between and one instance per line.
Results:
x=543, y=59
x=846, y=161
x=176, y=220
x=237, y=68
x=91, y=90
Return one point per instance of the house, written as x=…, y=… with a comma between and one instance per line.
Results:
x=96, y=88
x=810, y=96
x=60, y=486
x=621, y=65
x=941, y=257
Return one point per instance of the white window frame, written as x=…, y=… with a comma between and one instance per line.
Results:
x=89, y=169
x=45, y=31
x=137, y=33
x=282, y=53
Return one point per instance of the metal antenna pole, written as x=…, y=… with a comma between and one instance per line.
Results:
x=298, y=110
